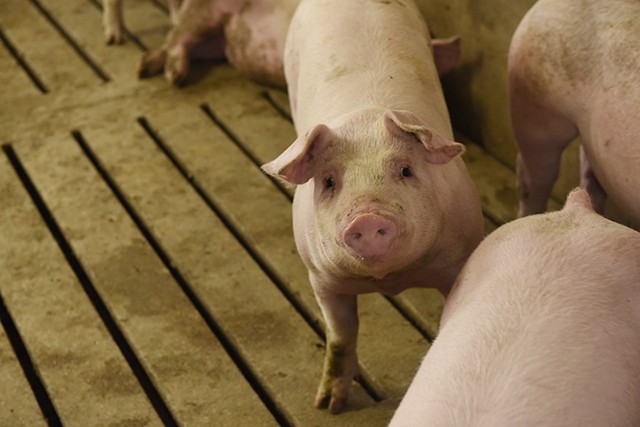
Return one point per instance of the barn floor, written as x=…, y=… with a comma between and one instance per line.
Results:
x=148, y=273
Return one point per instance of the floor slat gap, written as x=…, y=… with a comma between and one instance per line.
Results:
x=23, y=63
x=76, y=47
x=143, y=377
x=208, y=317
x=284, y=113
x=24, y=358
x=130, y=36
x=163, y=7
x=215, y=119
x=415, y=323
x=232, y=228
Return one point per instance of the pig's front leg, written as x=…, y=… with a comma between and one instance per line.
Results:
x=341, y=362
x=175, y=55
x=172, y=58
x=197, y=32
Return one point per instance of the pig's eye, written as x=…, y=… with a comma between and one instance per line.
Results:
x=405, y=171
x=329, y=183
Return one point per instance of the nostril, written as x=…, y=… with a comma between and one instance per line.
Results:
x=357, y=235
x=382, y=232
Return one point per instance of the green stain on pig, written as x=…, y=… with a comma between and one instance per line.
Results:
x=388, y=2
x=334, y=365
x=337, y=72
x=336, y=354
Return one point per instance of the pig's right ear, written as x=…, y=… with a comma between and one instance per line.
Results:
x=296, y=163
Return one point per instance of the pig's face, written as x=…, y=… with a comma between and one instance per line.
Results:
x=374, y=178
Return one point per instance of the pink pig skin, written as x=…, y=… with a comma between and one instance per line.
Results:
x=249, y=33
x=574, y=70
x=540, y=329
x=384, y=201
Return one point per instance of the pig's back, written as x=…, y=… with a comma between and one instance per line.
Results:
x=342, y=56
x=542, y=331
x=576, y=51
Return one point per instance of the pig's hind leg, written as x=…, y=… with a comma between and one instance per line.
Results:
x=196, y=32
x=541, y=134
x=175, y=55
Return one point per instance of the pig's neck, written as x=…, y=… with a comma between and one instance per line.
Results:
x=368, y=55
x=436, y=269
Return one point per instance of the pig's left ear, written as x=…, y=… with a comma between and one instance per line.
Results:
x=440, y=150
x=296, y=164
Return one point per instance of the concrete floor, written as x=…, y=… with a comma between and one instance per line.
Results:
x=148, y=273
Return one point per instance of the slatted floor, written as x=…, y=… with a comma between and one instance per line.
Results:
x=148, y=274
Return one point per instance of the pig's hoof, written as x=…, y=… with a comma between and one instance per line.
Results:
x=152, y=63
x=113, y=37
x=332, y=398
x=176, y=69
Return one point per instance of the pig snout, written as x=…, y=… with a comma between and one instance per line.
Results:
x=370, y=235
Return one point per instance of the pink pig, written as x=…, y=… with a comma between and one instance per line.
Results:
x=574, y=69
x=542, y=328
x=384, y=201
x=250, y=34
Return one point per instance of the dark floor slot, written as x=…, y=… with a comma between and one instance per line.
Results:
x=84, y=55
x=23, y=63
x=229, y=225
x=130, y=36
x=241, y=146
x=284, y=113
x=95, y=298
x=184, y=285
x=409, y=318
x=39, y=390
x=160, y=5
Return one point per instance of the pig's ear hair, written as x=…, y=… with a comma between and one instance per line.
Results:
x=296, y=163
x=440, y=150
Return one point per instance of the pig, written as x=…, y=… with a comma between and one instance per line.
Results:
x=573, y=70
x=250, y=34
x=540, y=329
x=383, y=199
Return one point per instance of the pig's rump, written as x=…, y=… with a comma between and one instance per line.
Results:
x=255, y=39
x=573, y=71
x=542, y=329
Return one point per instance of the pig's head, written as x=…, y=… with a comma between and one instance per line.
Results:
x=375, y=181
